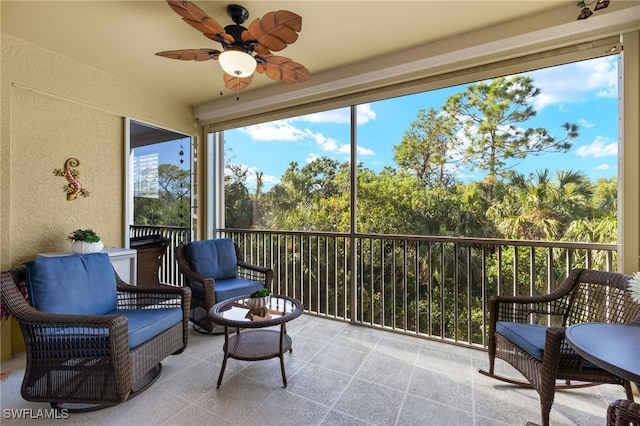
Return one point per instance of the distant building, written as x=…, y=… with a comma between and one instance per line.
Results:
x=145, y=176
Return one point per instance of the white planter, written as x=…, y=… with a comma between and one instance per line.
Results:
x=82, y=247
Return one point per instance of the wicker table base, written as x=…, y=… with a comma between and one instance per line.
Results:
x=257, y=345
x=251, y=341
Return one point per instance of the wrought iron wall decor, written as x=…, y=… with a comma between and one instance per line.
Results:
x=73, y=188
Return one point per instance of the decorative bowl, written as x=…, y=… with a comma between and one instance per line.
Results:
x=255, y=303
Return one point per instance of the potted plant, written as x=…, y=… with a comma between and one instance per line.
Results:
x=85, y=241
x=259, y=299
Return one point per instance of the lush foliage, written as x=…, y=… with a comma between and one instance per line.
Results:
x=482, y=128
x=173, y=204
x=435, y=288
x=263, y=292
x=86, y=235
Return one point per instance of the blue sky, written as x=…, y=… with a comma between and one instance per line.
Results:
x=584, y=93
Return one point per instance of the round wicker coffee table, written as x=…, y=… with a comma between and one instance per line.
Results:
x=250, y=342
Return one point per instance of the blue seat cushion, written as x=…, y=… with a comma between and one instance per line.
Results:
x=145, y=324
x=78, y=284
x=226, y=289
x=529, y=337
x=213, y=258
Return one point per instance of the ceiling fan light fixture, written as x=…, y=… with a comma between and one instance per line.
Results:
x=237, y=63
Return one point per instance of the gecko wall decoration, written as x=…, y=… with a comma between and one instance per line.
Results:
x=74, y=188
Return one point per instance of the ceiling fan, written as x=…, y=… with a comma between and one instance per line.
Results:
x=244, y=50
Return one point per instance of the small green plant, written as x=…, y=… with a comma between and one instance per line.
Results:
x=263, y=292
x=86, y=235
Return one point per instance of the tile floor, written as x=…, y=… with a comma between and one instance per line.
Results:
x=339, y=374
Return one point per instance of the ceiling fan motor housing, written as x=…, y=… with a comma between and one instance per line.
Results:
x=237, y=13
x=235, y=31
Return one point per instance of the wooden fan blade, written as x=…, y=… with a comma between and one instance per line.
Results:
x=275, y=31
x=198, y=19
x=236, y=83
x=190, y=54
x=283, y=69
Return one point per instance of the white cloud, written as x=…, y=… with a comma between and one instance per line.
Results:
x=311, y=157
x=604, y=166
x=267, y=180
x=600, y=147
x=341, y=115
x=365, y=113
x=346, y=149
x=281, y=130
x=576, y=82
x=365, y=151
x=286, y=131
x=585, y=123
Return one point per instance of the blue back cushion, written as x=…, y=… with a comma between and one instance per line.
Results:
x=78, y=284
x=213, y=258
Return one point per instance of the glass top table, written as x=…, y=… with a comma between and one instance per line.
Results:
x=257, y=343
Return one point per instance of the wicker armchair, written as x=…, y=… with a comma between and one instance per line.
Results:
x=540, y=353
x=83, y=361
x=622, y=412
x=215, y=270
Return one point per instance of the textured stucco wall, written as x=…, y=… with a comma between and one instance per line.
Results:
x=53, y=108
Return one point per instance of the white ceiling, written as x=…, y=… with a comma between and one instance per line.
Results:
x=121, y=37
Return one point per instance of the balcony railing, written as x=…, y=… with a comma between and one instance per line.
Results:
x=436, y=287
x=433, y=287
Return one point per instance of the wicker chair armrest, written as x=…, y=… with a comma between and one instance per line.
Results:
x=48, y=320
x=554, y=341
x=551, y=358
x=43, y=330
x=255, y=273
x=166, y=296
x=162, y=290
x=623, y=412
x=559, y=352
x=520, y=308
x=256, y=268
x=208, y=284
x=192, y=275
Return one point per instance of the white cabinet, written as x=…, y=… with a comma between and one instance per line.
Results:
x=124, y=261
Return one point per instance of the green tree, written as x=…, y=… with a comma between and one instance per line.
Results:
x=489, y=116
x=238, y=203
x=600, y=224
x=540, y=207
x=314, y=197
x=172, y=206
x=425, y=149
